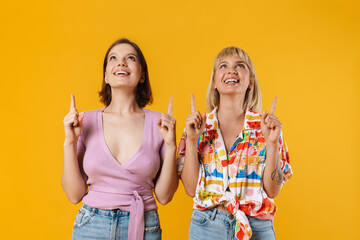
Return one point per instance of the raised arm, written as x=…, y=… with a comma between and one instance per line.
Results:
x=73, y=177
x=167, y=181
x=194, y=126
x=271, y=129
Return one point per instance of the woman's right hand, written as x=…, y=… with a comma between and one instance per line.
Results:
x=195, y=122
x=73, y=123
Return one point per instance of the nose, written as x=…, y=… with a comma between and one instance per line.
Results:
x=233, y=72
x=121, y=64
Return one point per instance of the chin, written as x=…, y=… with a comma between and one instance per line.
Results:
x=122, y=85
x=232, y=92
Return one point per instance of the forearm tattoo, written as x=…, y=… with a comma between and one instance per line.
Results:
x=277, y=173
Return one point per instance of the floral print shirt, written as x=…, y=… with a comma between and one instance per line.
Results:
x=234, y=178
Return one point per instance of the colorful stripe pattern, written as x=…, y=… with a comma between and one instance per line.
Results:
x=234, y=179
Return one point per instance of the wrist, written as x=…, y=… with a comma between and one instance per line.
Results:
x=273, y=145
x=191, y=140
x=68, y=142
x=171, y=145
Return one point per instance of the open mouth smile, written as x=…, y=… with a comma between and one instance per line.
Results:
x=231, y=80
x=121, y=73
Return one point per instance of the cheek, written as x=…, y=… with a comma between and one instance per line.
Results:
x=136, y=67
x=108, y=69
x=107, y=75
x=217, y=78
x=245, y=75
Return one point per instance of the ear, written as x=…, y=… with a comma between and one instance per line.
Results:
x=250, y=85
x=105, y=78
x=142, y=78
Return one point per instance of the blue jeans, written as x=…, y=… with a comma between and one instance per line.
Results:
x=215, y=224
x=94, y=223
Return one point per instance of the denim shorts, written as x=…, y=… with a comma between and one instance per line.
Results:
x=94, y=223
x=215, y=224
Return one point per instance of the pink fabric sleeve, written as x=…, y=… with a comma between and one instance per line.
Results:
x=162, y=150
x=80, y=142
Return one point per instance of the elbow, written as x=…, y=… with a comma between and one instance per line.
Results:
x=74, y=200
x=164, y=201
x=74, y=197
x=272, y=194
x=190, y=194
x=164, y=196
x=190, y=184
x=189, y=187
x=190, y=191
x=271, y=188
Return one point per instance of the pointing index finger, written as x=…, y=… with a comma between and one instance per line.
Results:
x=170, y=109
x=193, y=105
x=72, y=104
x=273, y=106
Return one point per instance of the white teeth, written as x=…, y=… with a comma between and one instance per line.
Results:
x=121, y=73
x=232, y=80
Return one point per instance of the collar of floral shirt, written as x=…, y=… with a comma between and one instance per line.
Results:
x=252, y=120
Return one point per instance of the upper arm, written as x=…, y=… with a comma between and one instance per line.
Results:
x=159, y=171
x=80, y=158
x=285, y=160
x=181, y=154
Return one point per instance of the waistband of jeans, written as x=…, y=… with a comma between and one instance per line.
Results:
x=112, y=212
x=216, y=213
x=107, y=212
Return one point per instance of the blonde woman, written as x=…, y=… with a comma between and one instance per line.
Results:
x=233, y=161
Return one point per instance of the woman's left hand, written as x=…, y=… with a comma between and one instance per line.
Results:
x=167, y=126
x=271, y=125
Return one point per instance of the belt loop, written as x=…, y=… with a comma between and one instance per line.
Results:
x=213, y=215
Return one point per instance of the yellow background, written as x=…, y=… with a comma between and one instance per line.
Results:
x=305, y=52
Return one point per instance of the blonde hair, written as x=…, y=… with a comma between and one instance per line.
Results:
x=252, y=96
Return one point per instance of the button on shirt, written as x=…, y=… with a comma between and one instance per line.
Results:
x=234, y=179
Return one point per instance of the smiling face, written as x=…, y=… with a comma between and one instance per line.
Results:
x=232, y=75
x=123, y=67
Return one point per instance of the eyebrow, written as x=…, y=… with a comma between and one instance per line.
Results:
x=235, y=62
x=129, y=54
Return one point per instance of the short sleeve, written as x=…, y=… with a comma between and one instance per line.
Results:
x=80, y=143
x=181, y=151
x=181, y=154
x=162, y=150
x=285, y=160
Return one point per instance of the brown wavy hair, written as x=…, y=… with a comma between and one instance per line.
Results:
x=143, y=93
